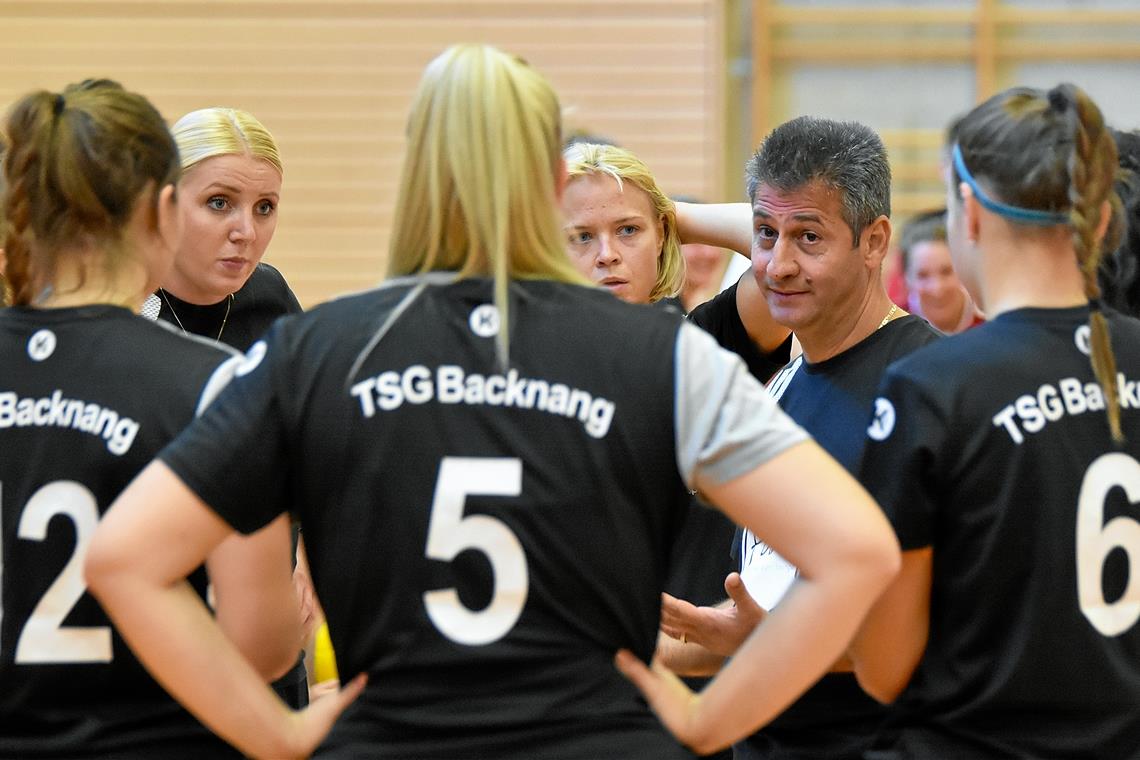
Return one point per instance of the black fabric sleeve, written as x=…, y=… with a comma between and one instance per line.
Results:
x=899, y=465
x=720, y=318
x=234, y=456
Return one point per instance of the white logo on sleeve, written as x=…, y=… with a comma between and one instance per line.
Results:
x=884, y=421
x=484, y=321
x=252, y=358
x=41, y=345
x=1082, y=337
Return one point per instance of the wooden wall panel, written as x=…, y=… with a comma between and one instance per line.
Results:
x=333, y=80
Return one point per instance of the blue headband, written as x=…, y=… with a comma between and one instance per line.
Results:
x=1016, y=213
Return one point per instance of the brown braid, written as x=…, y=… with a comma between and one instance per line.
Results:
x=75, y=166
x=1092, y=171
x=23, y=160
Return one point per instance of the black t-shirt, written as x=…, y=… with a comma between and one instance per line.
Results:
x=720, y=318
x=482, y=538
x=264, y=297
x=238, y=323
x=832, y=400
x=992, y=447
x=88, y=396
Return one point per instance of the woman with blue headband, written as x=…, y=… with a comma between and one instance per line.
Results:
x=1006, y=458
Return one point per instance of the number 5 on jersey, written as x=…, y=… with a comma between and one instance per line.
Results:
x=450, y=532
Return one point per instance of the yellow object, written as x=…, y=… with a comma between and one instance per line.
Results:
x=324, y=658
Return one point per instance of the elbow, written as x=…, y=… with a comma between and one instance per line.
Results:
x=706, y=741
x=101, y=566
x=883, y=687
x=271, y=653
x=876, y=559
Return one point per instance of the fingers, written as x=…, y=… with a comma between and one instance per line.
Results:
x=315, y=721
x=635, y=670
x=746, y=606
x=665, y=693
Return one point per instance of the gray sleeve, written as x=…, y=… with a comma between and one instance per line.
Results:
x=726, y=422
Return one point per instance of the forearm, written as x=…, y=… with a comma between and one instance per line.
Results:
x=726, y=225
x=256, y=601
x=173, y=634
x=687, y=658
x=782, y=658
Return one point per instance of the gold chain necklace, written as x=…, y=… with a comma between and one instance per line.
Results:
x=229, y=305
x=894, y=310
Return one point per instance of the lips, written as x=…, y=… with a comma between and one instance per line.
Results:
x=233, y=262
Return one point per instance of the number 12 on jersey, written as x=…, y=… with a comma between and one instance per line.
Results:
x=44, y=639
x=450, y=532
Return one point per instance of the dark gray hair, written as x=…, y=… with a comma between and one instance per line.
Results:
x=843, y=155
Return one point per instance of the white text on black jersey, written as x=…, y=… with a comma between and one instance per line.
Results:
x=1051, y=402
x=452, y=385
x=56, y=411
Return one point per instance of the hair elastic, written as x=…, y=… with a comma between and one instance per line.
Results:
x=1016, y=213
x=1095, y=305
x=57, y=106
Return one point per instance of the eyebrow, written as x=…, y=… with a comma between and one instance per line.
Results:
x=234, y=190
x=796, y=217
x=623, y=220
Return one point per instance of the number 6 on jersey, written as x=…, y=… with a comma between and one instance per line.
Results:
x=1096, y=539
x=450, y=533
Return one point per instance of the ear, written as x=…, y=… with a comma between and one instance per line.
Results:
x=560, y=179
x=661, y=235
x=167, y=219
x=877, y=239
x=971, y=212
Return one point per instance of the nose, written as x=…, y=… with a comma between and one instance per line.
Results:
x=607, y=254
x=244, y=230
x=780, y=262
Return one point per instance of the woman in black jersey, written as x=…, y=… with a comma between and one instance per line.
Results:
x=1006, y=458
x=88, y=394
x=218, y=286
x=489, y=475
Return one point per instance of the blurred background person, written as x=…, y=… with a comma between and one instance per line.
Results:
x=708, y=269
x=934, y=291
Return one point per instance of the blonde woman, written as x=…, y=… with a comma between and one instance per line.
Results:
x=621, y=230
x=487, y=511
x=230, y=189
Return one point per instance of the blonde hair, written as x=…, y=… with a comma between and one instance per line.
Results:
x=585, y=159
x=477, y=190
x=210, y=132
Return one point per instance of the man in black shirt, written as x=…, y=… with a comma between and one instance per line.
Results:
x=820, y=194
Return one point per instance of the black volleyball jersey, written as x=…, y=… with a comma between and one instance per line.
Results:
x=992, y=447
x=236, y=321
x=88, y=396
x=484, y=538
